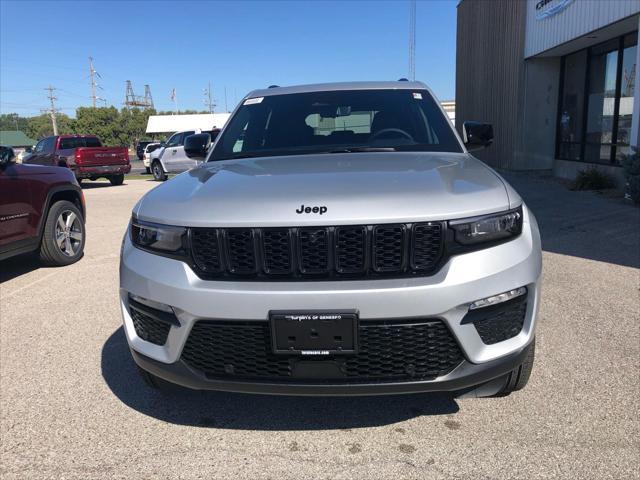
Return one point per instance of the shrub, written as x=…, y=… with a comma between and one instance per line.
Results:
x=593, y=179
x=631, y=166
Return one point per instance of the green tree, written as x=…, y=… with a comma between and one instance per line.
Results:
x=13, y=121
x=40, y=126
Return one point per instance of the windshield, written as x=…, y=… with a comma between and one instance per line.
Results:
x=340, y=121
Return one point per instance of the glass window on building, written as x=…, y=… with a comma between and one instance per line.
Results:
x=596, y=102
x=627, y=85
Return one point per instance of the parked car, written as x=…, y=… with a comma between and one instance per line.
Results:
x=41, y=209
x=170, y=158
x=84, y=155
x=146, y=155
x=339, y=240
x=140, y=148
x=23, y=154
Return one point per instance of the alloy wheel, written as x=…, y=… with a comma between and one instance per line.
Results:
x=68, y=233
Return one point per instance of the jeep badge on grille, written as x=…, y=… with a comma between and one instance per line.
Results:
x=317, y=209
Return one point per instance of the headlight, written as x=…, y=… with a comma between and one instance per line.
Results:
x=488, y=228
x=161, y=238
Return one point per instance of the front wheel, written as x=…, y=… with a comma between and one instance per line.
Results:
x=116, y=179
x=159, y=174
x=64, y=235
x=518, y=378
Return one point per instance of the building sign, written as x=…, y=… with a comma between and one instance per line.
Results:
x=548, y=8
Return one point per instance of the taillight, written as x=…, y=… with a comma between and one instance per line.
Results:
x=78, y=156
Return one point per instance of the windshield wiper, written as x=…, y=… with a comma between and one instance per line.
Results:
x=361, y=149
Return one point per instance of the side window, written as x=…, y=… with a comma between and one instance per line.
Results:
x=175, y=140
x=49, y=144
x=40, y=146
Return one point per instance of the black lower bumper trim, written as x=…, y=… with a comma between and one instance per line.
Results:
x=466, y=375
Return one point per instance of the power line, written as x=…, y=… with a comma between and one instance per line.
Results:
x=208, y=98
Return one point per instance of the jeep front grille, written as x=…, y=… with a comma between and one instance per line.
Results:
x=348, y=252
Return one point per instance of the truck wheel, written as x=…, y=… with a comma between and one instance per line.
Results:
x=148, y=169
x=158, y=172
x=116, y=179
x=63, y=237
x=517, y=378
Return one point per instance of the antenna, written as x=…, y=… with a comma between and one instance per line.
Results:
x=412, y=40
x=52, y=112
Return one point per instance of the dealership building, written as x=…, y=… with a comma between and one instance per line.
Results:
x=556, y=78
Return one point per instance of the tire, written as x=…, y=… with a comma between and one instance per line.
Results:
x=64, y=235
x=518, y=378
x=156, y=383
x=159, y=174
x=148, y=169
x=116, y=179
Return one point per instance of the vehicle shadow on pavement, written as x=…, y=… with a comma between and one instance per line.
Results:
x=258, y=412
x=16, y=266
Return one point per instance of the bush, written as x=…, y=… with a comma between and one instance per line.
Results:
x=631, y=166
x=593, y=179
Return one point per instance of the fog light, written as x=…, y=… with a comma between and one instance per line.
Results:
x=151, y=304
x=500, y=298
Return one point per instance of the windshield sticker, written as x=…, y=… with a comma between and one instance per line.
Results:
x=417, y=96
x=253, y=101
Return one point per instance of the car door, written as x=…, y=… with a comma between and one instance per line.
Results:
x=170, y=154
x=16, y=211
x=179, y=160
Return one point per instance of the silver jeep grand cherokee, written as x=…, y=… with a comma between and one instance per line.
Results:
x=338, y=240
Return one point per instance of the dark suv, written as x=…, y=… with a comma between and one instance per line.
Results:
x=41, y=209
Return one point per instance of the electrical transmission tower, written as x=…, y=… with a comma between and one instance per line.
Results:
x=52, y=112
x=92, y=76
x=208, y=98
x=133, y=100
x=412, y=40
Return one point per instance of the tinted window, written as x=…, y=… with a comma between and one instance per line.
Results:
x=6, y=153
x=49, y=144
x=330, y=121
x=175, y=140
x=40, y=146
x=75, y=142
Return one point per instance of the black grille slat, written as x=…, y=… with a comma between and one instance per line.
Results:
x=315, y=253
x=351, y=244
x=241, y=252
x=313, y=250
x=388, y=351
x=426, y=245
x=276, y=251
x=388, y=248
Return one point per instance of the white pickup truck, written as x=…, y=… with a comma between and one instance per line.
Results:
x=170, y=158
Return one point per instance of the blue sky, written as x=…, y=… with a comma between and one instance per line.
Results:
x=242, y=45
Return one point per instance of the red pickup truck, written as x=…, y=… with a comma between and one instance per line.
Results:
x=84, y=155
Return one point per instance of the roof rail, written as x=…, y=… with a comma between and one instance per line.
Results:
x=274, y=86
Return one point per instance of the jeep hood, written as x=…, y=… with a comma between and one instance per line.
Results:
x=355, y=188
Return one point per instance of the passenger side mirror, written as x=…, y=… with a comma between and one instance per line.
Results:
x=477, y=135
x=196, y=146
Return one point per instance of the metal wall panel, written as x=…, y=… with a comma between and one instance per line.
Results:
x=490, y=72
x=578, y=18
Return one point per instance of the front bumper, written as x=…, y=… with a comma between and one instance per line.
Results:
x=445, y=295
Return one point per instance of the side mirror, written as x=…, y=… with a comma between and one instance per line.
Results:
x=7, y=155
x=477, y=135
x=196, y=146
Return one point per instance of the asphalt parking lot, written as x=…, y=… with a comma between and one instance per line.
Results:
x=72, y=405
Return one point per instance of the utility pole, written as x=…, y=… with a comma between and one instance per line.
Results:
x=208, y=100
x=412, y=40
x=52, y=112
x=92, y=75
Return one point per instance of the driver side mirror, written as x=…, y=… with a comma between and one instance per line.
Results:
x=477, y=135
x=196, y=146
